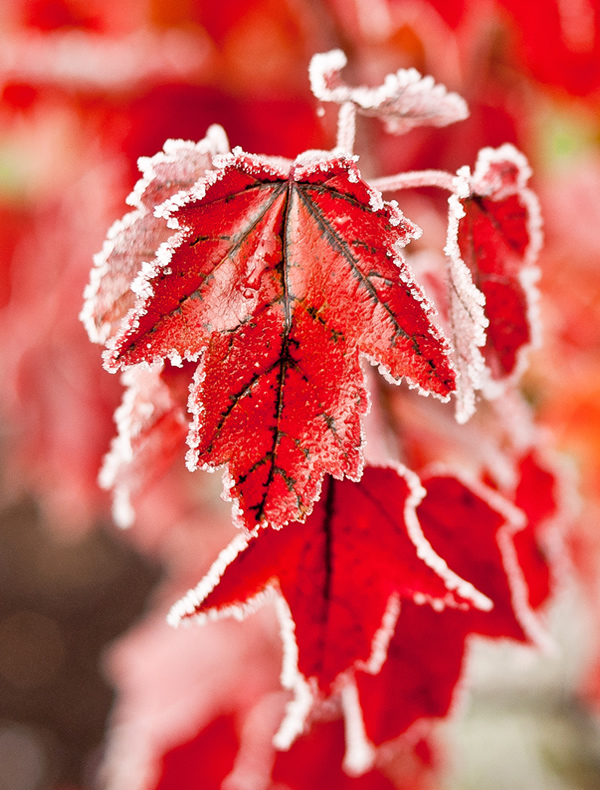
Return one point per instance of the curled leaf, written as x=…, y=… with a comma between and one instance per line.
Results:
x=495, y=230
x=466, y=309
x=404, y=101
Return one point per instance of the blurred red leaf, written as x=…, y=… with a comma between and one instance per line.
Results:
x=313, y=761
x=473, y=530
x=419, y=677
x=560, y=42
x=537, y=497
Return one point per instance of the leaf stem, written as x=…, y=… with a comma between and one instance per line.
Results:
x=346, y=128
x=415, y=178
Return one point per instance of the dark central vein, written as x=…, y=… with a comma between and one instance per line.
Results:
x=285, y=359
x=323, y=614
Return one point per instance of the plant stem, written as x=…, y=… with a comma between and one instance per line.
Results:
x=346, y=128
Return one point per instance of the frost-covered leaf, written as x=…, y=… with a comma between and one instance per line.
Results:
x=133, y=240
x=282, y=274
x=404, y=101
x=341, y=573
x=474, y=530
x=152, y=426
x=498, y=236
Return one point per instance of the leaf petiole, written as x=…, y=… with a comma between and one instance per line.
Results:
x=415, y=178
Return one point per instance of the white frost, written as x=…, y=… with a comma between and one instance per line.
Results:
x=383, y=635
x=299, y=707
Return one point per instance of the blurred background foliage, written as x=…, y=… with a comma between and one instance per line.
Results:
x=89, y=86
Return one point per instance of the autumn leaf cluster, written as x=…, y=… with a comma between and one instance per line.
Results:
x=244, y=298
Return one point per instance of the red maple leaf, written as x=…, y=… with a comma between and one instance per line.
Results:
x=281, y=276
x=473, y=528
x=499, y=238
x=341, y=573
